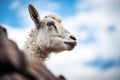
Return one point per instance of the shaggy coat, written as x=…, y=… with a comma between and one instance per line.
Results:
x=48, y=36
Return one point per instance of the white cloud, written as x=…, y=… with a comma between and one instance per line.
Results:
x=71, y=66
x=46, y=5
x=18, y=35
x=14, y=5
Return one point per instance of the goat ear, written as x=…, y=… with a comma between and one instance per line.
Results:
x=34, y=14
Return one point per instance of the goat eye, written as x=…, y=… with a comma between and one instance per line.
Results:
x=50, y=24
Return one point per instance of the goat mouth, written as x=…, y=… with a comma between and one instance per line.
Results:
x=70, y=43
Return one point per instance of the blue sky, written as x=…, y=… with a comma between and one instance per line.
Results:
x=67, y=7
x=95, y=23
x=9, y=14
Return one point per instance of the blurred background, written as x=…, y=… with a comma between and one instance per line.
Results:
x=95, y=23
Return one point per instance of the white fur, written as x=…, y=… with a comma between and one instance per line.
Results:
x=45, y=39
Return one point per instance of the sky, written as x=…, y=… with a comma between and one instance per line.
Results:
x=95, y=23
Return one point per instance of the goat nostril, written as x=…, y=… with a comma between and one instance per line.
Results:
x=72, y=37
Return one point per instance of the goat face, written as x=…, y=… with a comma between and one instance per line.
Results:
x=50, y=34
